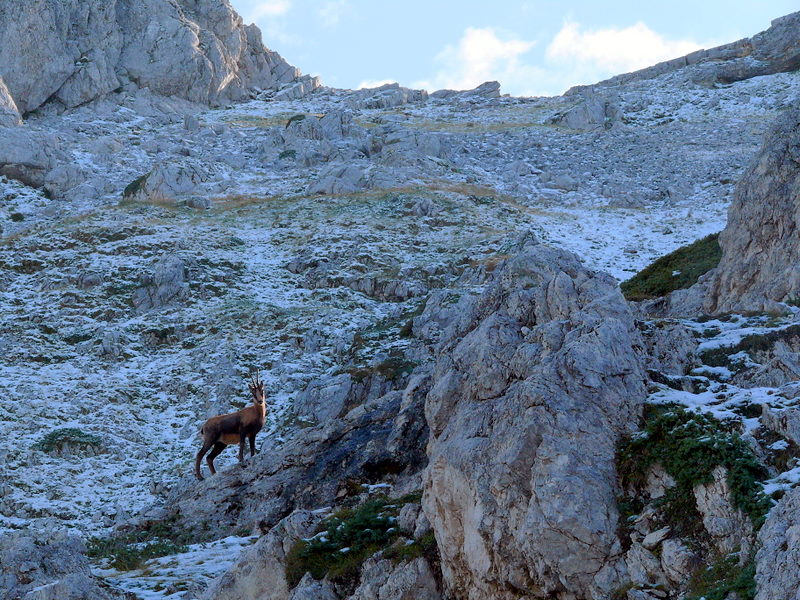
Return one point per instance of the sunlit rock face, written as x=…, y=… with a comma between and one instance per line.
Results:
x=71, y=52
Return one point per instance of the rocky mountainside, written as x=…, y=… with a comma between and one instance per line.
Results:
x=68, y=53
x=462, y=403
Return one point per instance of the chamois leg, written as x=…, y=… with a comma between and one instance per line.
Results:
x=242, y=437
x=252, y=444
x=199, y=457
x=218, y=447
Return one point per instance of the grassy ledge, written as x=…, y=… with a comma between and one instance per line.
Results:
x=690, y=446
x=675, y=271
x=346, y=539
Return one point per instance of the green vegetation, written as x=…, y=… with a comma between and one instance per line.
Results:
x=67, y=435
x=722, y=578
x=133, y=187
x=690, y=446
x=405, y=552
x=675, y=271
x=129, y=551
x=751, y=344
x=288, y=155
x=345, y=540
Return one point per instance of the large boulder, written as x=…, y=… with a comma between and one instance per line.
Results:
x=50, y=566
x=260, y=571
x=29, y=156
x=760, y=262
x=9, y=113
x=777, y=575
x=73, y=51
x=537, y=377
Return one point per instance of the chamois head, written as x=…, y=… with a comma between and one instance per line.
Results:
x=257, y=389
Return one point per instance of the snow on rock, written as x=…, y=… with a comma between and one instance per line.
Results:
x=70, y=53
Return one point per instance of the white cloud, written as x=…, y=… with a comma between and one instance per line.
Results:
x=481, y=55
x=614, y=51
x=332, y=11
x=373, y=83
x=270, y=8
x=575, y=55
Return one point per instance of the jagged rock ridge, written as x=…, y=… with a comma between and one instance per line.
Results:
x=775, y=50
x=69, y=52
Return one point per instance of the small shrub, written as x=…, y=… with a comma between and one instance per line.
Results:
x=288, y=155
x=345, y=540
x=67, y=435
x=131, y=550
x=407, y=552
x=723, y=578
x=675, y=271
x=17, y=217
x=690, y=446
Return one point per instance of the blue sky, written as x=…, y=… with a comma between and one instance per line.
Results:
x=533, y=47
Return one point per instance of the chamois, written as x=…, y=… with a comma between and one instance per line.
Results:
x=233, y=428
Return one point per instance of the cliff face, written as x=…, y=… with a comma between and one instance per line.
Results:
x=73, y=51
x=535, y=381
x=761, y=244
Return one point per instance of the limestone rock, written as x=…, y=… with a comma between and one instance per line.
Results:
x=75, y=51
x=341, y=179
x=311, y=589
x=177, y=181
x=777, y=576
x=28, y=156
x=260, y=570
x=383, y=580
x=644, y=568
x=324, y=398
x=784, y=421
x=729, y=528
x=389, y=95
x=536, y=378
x=50, y=566
x=677, y=561
x=166, y=284
x=761, y=242
x=595, y=111
x=9, y=113
x=488, y=89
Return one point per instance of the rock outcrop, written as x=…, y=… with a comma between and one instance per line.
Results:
x=760, y=262
x=536, y=378
x=72, y=52
x=776, y=50
x=9, y=113
x=379, y=440
x=50, y=566
x=777, y=576
x=259, y=572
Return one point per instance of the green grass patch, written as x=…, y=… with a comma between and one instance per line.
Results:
x=129, y=551
x=751, y=344
x=345, y=540
x=67, y=435
x=675, y=271
x=400, y=552
x=723, y=578
x=690, y=446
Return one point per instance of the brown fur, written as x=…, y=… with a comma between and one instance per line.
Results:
x=233, y=428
